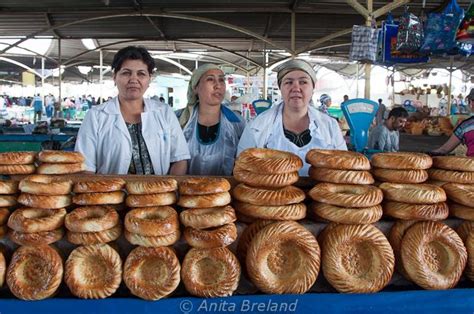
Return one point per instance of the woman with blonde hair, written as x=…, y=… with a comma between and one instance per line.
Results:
x=211, y=129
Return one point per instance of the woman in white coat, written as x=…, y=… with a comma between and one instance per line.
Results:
x=293, y=125
x=130, y=134
x=211, y=129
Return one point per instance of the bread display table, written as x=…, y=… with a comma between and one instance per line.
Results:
x=398, y=297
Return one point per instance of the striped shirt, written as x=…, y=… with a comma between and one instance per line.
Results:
x=465, y=133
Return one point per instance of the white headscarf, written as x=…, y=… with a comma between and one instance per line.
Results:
x=191, y=94
x=293, y=65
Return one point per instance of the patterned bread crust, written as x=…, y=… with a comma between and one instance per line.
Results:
x=460, y=193
x=37, y=238
x=45, y=185
x=406, y=161
x=274, y=197
x=203, y=218
x=466, y=233
x=268, y=161
x=48, y=168
x=31, y=220
x=91, y=219
x=90, y=238
x=44, y=201
x=93, y=271
x=347, y=215
x=357, y=259
x=283, y=257
x=151, y=273
x=457, y=163
x=451, y=176
x=461, y=211
x=211, y=238
x=346, y=195
x=152, y=221
x=282, y=212
x=265, y=180
x=400, y=176
x=437, y=211
x=341, y=176
x=433, y=255
x=8, y=186
x=149, y=241
x=337, y=159
x=413, y=193
x=210, y=273
x=60, y=157
x=17, y=169
x=395, y=238
x=17, y=158
x=100, y=198
x=246, y=237
x=102, y=185
x=203, y=186
x=149, y=200
x=34, y=273
x=159, y=185
x=204, y=201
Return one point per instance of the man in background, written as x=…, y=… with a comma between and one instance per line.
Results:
x=379, y=117
x=386, y=136
x=38, y=108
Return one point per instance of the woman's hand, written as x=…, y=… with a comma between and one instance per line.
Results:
x=179, y=168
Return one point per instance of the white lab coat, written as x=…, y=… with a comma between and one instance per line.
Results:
x=266, y=131
x=105, y=141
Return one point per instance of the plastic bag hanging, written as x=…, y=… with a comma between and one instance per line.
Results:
x=410, y=33
x=465, y=33
x=440, y=29
x=364, y=43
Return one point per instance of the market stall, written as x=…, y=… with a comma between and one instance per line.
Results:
x=396, y=295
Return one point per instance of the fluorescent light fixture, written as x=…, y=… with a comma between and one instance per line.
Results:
x=44, y=36
x=160, y=52
x=89, y=43
x=12, y=37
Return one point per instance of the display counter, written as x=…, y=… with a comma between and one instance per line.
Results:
x=446, y=301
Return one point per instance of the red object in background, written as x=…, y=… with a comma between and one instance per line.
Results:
x=230, y=80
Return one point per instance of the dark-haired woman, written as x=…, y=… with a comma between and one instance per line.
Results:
x=130, y=134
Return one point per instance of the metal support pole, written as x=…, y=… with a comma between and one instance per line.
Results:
x=293, y=33
x=450, y=83
x=101, y=75
x=265, y=83
x=393, y=87
x=42, y=80
x=59, y=68
x=357, y=81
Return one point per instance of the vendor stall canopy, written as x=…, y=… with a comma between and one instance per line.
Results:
x=237, y=34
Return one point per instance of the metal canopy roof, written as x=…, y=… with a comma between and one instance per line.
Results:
x=232, y=32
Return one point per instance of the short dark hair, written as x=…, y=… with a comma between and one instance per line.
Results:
x=398, y=112
x=133, y=53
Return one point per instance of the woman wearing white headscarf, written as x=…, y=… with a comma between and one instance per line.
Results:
x=293, y=125
x=211, y=129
